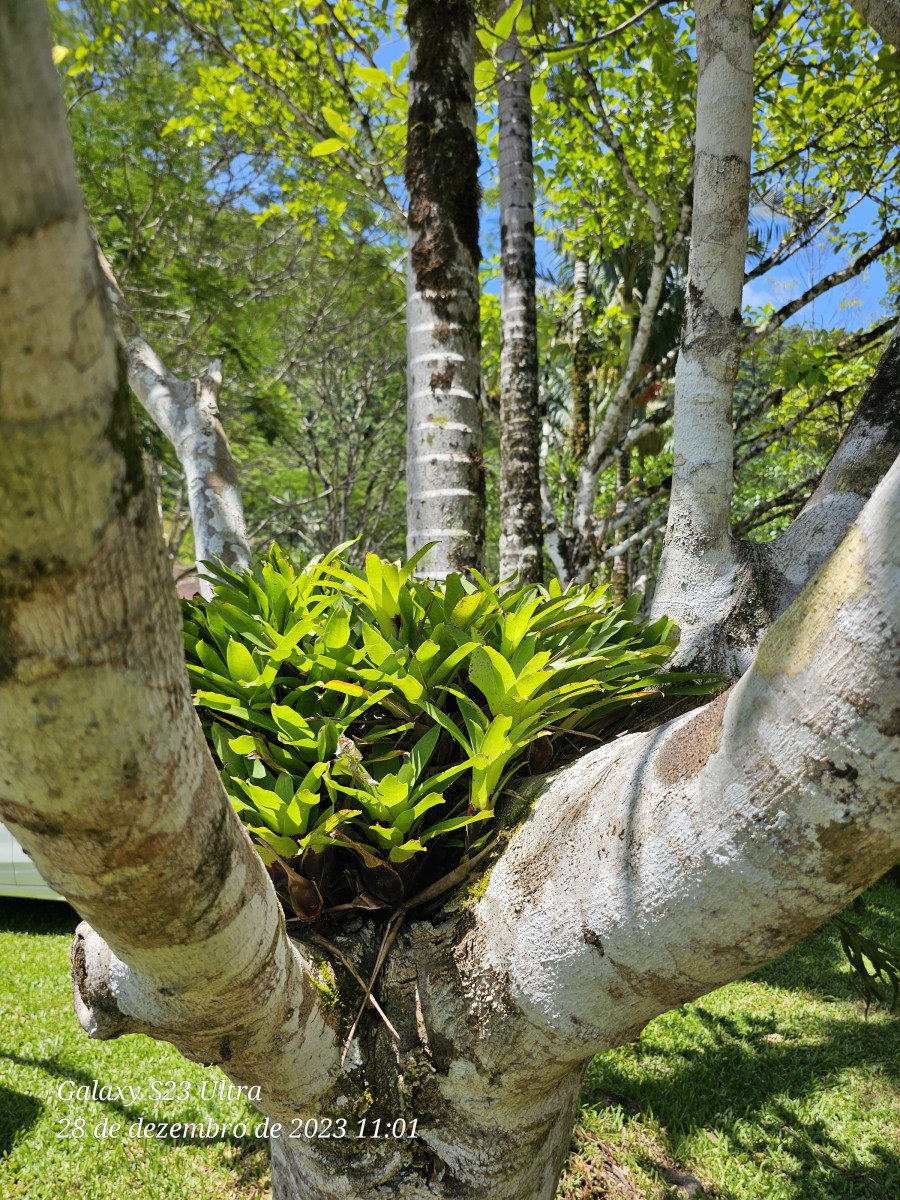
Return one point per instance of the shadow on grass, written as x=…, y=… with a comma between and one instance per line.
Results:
x=738, y=1084
x=130, y=1114
x=36, y=916
x=818, y=969
x=18, y=1113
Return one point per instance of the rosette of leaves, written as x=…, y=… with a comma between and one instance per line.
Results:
x=365, y=722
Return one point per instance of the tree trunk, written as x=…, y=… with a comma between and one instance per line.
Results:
x=186, y=410
x=105, y=777
x=521, y=531
x=883, y=16
x=445, y=466
x=581, y=363
x=619, y=571
x=698, y=537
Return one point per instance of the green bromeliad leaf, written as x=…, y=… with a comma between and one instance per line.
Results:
x=370, y=720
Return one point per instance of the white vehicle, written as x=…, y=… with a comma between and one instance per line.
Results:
x=18, y=874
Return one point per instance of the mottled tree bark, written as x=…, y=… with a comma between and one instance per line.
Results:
x=883, y=16
x=698, y=548
x=105, y=777
x=619, y=571
x=445, y=467
x=186, y=410
x=521, y=531
x=770, y=576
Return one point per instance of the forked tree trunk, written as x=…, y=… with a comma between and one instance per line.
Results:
x=646, y=874
x=698, y=536
x=445, y=467
x=726, y=593
x=521, y=530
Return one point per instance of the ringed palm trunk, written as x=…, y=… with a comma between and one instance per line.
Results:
x=581, y=386
x=445, y=467
x=521, y=530
x=619, y=573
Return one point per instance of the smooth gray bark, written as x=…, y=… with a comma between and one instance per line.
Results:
x=105, y=777
x=883, y=16
x=186, y=410
x=699, y=560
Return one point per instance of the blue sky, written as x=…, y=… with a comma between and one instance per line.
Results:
x=854, y=305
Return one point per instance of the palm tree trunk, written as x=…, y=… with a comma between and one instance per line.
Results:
x=521, y=531
x=619, y=573
x=581, y=387
x=445, y=467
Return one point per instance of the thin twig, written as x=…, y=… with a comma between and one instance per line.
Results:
x=450, y=880
x=386, y=942
x=342, y=958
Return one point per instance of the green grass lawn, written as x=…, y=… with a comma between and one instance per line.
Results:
x=42, y=1046
x=775, y=1088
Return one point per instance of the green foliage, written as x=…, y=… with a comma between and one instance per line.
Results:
x=379, y=717
x=864, y=952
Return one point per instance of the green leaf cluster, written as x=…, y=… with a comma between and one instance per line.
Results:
x=376, y=716
x=864, y=952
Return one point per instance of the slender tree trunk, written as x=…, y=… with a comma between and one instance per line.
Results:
x=187, y=412
x=445, y=466
x=581, y=363
x=521, y=531
x=619, y=572
x=105, y=776
x=698, y=537
x=637, y=878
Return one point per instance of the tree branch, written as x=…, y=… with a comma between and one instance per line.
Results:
x=583, y=43
x=883, y=16
x=686, y=857
x=760, y=35
x=186, y=410
x=871, y=443
x=850, y=347
x=762, y=330
x=792, y=500
x=352, y=163
x=106, y=778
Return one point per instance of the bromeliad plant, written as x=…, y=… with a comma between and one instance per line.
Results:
x=366, y=722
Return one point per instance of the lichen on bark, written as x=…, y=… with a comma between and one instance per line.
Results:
x=441, y=148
